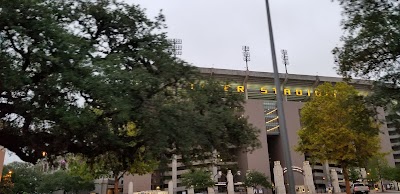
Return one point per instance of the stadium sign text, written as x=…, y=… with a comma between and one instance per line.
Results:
x=286, y=91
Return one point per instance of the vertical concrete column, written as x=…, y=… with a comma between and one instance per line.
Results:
x=174, y=172
x=278, y=178
x=308, y=178
x=130, y=188
x=170, y=187
x=214, y=170
x=250, y=190
x=215, y=177
x=335, y=181
x=327, y=174
x=214, y=173
x=230, y=186
x=191, y=190
x=363, y=175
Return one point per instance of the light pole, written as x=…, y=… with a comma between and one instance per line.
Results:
x=281, y=115
x=176, y=46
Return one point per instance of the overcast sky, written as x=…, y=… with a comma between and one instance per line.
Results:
x=214, y=31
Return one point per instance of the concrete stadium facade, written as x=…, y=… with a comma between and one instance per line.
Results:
x=261, y=110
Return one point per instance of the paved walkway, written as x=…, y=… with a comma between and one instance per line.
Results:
x=386, y=192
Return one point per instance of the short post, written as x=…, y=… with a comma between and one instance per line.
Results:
x=170, y=187
x=278, y=178
x=250, y=190
x=191, y=190
x=130, y=188
x=231, y=187
x=335, y=181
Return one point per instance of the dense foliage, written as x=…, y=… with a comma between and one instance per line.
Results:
x=198, y=179
x=337, y=126
x=28, y=178
x=371, y=49
x=254, y=179
x=354, y=174
x=24, y=176
x=64, y=181
x=96, y=78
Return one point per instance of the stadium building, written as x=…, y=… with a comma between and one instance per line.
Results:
x=261, y=110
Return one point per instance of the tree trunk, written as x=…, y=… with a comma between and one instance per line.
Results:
x=116, y=184
x=346, y=178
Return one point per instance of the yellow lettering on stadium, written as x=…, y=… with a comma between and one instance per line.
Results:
x=299, y=92
x=240, y=89
x=263, y=91
x=226, y=88
x=286, y=91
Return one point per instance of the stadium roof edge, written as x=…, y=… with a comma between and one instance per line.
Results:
x=259, y=74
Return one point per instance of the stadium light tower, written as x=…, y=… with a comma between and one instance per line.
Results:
x=246, y=58
x=285, y=59
x=281, y=114
x=176, y=46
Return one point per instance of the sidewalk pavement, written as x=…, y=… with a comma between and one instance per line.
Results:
x=371, y=192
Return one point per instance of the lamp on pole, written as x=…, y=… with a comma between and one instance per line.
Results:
x=279, y=98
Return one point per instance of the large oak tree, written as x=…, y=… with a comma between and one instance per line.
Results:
x=95, y=77
x=371, y=49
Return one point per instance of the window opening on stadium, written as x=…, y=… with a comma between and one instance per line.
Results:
x=271, y=117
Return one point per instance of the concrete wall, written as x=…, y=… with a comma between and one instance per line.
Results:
x=292, y=116
x=259, y=159
x=140, y=183
x=2, y=156
x=384, y=137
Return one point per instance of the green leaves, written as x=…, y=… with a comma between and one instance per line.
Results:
x=339, y=128
x=24, y=176
x=200, y=120
x=62, y=180
x=61, y=60
x=255, y=178
x=95, y=78
x=199, y=179
x=371, y=49
x=378, y=169
x=27, y=178
x=371, y=44
x=354, y=174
